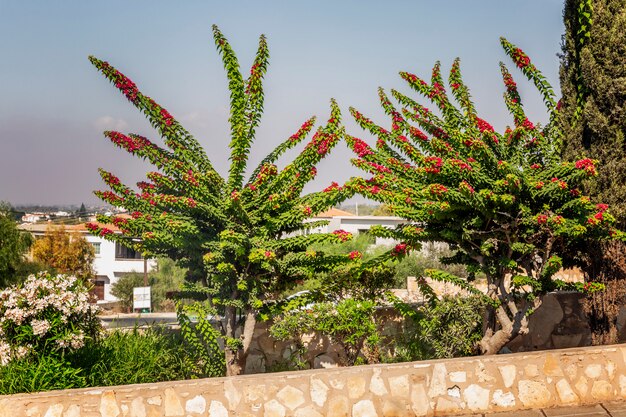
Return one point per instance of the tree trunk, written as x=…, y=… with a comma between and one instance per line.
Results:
x=236, y=356
x=504, y=329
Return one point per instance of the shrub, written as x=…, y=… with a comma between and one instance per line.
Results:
x=134, y=357
x=349, y=323
x=45, y=315
x=446, y=328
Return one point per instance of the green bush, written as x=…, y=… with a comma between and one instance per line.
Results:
x=40, y=373
x=134, y=357
x=120, y=358
x=446, y=328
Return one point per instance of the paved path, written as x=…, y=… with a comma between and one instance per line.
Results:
x=609, y=409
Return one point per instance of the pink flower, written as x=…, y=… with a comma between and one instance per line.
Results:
x=400, y=249
x=342, y=235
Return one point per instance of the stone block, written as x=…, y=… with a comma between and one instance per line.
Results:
x=377, y=384
x=533, y=394
x=593, y=371
x=196, y=405
x=171, y=404
x=476, y=397
x=338, y=406
x=565, y=392
x=509, y=374
x=503, y=399
x=438, y=381
x=399, y=386
x=318, y=391
x=217, y=409
x=356, y=386
x=394, y=408
x=364, y=408
x=72, y=411
x=602, y=390
x=274, y=409
x=54, y=410
x=137, y=408
x=291, y=397
x=420, y=403
x=459, y=376
x=108, y=405
x=309, y=411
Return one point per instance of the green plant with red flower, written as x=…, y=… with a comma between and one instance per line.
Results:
x=239, y=237
x=505, y=201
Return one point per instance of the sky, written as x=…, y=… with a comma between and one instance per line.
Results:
x=54, y=105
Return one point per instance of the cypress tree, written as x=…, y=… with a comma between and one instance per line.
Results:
x=593, y=83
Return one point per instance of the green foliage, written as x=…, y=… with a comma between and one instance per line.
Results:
x=119, y=358
x=349, y=322
x=506, y=202
x=133, y=357
x=201, y=338
x=238, y=237
x=41, y=373
x=448, y=328
x=13, y=246
x=593, y=67
x=167, y=277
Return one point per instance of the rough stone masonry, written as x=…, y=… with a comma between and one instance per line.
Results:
x=441, y=387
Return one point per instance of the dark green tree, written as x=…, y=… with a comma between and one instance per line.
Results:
x=14, y=244
x=593, y=83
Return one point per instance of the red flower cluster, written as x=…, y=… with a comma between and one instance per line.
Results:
x=437, y=189
x=535, y=166
x=602, y=207
x=307, y=211
x=355, y=254
x=304, y=128
x=509, y=83
x=332, y=187
x=539, y=185
x=126, y=86
x=542, y=219
x=588, y=165
x=418, y=134
x=483, y=126
x=167, y=117
x=521, y=59
x=191, y=178
x=91, y=226
x=119, y=220
x=528, y=124
x=455, y=86
x=131, y=144
x=190, y=202
x=464, y=185
x=136, y=214
x=342, y=235
x=400, y=249
x=361, y=148
x=436, y=90
x=110, y=179
x=434, y=164
x=111, y=197
x=462, y=165
x=104, y=231
x=379, y=168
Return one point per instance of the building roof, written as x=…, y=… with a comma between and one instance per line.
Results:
x=333, y=212
x=80, y=228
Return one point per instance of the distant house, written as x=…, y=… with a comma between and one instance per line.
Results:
x=112, y=260
x=343, y=220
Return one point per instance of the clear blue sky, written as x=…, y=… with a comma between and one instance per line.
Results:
x=54, y=105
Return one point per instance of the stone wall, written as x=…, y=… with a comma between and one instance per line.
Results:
x=559, y=323
x=443, y=387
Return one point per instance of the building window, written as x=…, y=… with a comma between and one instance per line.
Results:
x=122, y=252
x=96, y=247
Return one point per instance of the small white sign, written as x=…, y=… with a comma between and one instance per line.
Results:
x=141, y=298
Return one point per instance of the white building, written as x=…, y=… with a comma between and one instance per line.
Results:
x=343, y=220
x=112, y=260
